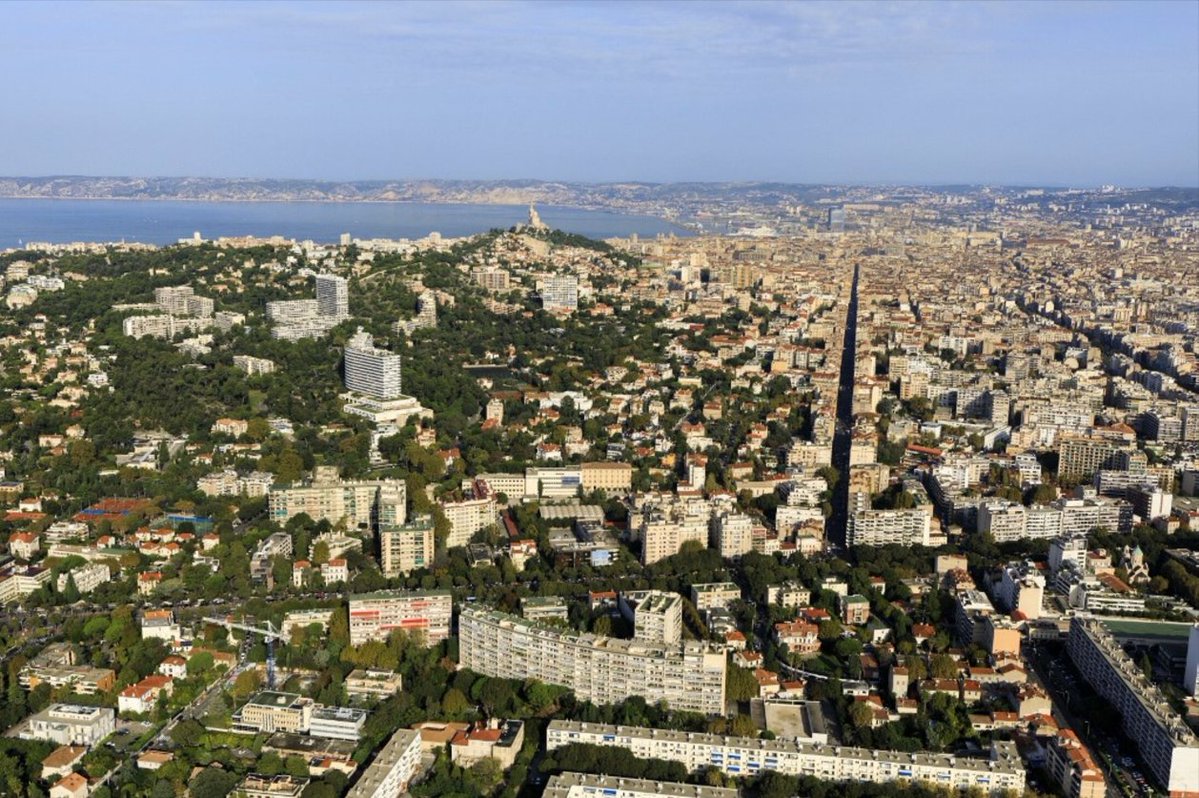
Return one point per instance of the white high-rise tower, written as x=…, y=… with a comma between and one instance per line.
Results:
x=371, y=371
x=332, y=296
x=1190, y=675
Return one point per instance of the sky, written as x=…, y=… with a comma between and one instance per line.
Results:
x=1041, y=93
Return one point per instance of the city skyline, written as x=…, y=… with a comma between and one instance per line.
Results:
x=1076, y=94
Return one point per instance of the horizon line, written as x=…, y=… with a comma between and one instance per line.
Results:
x=612, y=182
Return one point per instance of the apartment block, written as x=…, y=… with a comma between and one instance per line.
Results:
x=1072, y=767
x=392, y=769
x=1002, y=771
x=374, y=616
x=404, y=548
x=587, y=785
x=371, y=371
x=911, y=527
x=732, y=534
x=657, y=615
x=470, y=515
x=71, y=724
x=711, y=595
x=599, y=669
x=1166, y=744
x=360, y=503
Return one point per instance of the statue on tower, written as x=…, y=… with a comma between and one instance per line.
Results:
x=535, y=222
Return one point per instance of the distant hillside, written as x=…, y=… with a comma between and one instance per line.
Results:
x=469, y=191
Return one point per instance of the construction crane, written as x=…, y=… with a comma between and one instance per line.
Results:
x=269, y=634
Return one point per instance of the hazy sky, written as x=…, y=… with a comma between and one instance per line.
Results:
x=1043, y=92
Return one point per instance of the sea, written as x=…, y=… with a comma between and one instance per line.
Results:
x=166, y=221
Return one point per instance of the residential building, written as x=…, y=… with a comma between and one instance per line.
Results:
x=1021, y=588
x=361, y=504
x=1072, y=767
x=710, y=595
x=271, y=711
x=62, y=760
x=71, y=724
x=560, y=294
x=657, y=615
x=369, y=370
x=732, y=534
x=470, y=515
x=253, y=366
x=372, y=684
x=1168, y=747
x=801, y=638
x=258, y=785
x=332, y=297
x=911, y=527
x=788, y=594
x=544, y=608
x=406, y=547
x=142, y=697
x=374, y=616
x=1002, y=771
x=72, y=785
x=392, y=769
x=500, y=740
x=587, y=785
x=160, y=624
x=86, y=577
x=599, y=669
x=1190, y=673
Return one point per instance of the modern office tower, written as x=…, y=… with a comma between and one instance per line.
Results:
x=406, y=547
x=392, y=768
x=561, y=294
x=599, y=669
x=885, y=527
x=587, y=785
x=370, y=371
x=362, y=504
x=374, y=616
x=332, y=296
x=1166, y=744
x=999, y=773
x=836, y=220
x=1190, y=674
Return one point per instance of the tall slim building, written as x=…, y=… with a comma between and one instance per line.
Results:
x=836, y=220
x=332, y=296
x=561, y=294
x=1190, y=675
x=371, y=371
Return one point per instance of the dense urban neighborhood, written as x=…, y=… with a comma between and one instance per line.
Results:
x=872, y=492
